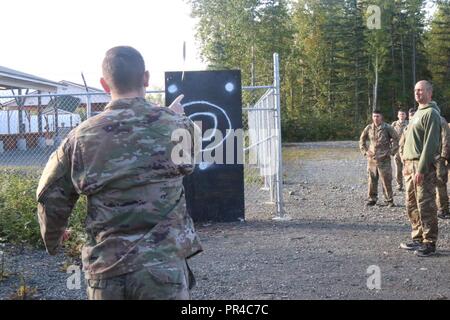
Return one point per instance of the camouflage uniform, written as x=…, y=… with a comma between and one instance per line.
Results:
x=383, y=143
x=421, y=198
x=441, y=168
x=399, y=127
x=139, y=234
x=401, y=146
x=421, y=148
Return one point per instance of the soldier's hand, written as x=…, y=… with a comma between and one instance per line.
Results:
x=176, y=105
x=369, y=154
x=419, y=178
x=66, y=235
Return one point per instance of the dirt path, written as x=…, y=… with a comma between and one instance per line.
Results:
x=325, y=250
x=322, y=253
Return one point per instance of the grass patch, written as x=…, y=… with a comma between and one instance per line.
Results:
x=3, y=274
x=24, y=292
x=252, y=177
x=18, y=210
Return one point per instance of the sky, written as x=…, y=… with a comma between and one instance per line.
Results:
x=58, y=40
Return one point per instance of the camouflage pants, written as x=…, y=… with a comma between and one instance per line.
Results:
x=442, y=179
x=398, y=170
x=383, y=170
x=421, y=203
x=166, y=281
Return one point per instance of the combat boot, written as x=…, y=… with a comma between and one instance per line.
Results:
x=443, y=214
x=426, y=250
x=414, y=245
x=371, y=203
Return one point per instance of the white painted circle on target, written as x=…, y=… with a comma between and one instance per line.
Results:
x=172, y=88
x=229, y=87
x=204, y=165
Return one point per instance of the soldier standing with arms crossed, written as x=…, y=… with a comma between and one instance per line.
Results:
x=422, y=141
x=139, y=235
x=383, y=143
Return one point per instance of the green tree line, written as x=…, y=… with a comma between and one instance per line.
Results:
x=337, y=65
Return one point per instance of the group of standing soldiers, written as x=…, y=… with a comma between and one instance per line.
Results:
x=420, y=147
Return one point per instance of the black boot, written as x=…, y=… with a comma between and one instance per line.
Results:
x=414, y=245
x=443, y=214
x=371, y=203
x=426, y=250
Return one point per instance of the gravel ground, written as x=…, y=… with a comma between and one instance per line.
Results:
x=323, y=252
x=34, y=269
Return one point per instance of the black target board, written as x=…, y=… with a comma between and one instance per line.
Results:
x=213, y=99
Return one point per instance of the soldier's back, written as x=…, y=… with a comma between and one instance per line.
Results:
x=130, y=138
x=122, y=162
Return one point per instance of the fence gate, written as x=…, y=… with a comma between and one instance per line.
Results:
x=263, y=149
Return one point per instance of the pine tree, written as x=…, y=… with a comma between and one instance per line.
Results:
x=334, y=69
x=438, y=48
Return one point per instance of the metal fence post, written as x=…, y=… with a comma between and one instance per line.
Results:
x=88, y=107
x=280, y=215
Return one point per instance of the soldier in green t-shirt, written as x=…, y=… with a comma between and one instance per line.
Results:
x=421, y=149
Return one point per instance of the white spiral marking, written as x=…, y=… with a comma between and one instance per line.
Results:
x=189, y=104
x=208, y=114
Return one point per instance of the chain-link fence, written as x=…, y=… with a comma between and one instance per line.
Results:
x=262, y=147
x=32, y=126
x=260, y=151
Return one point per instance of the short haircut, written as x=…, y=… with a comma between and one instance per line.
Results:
x=428, y=85
x=401, y=110
x=377, y=112
x=123, y=69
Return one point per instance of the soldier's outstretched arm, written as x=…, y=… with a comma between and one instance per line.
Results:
x=56, y=197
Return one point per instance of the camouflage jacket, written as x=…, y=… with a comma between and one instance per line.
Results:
x=401, y=143
x=383, y=142
x=121, y=160
x=399, y=126
x=445, y=139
